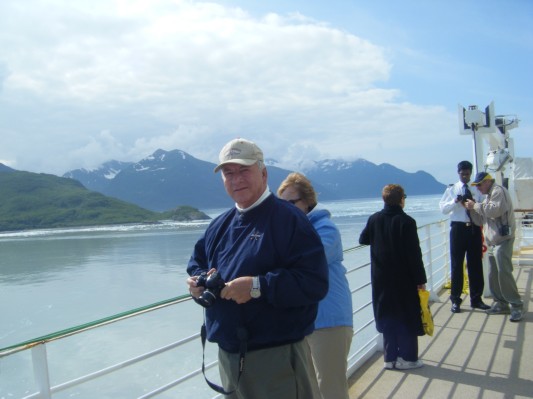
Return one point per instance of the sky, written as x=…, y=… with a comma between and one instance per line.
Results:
x=85, y=82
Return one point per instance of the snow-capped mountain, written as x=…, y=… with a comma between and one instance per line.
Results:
x=98, y=179
x=167, y=179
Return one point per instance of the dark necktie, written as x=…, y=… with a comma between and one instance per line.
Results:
x=467, y=195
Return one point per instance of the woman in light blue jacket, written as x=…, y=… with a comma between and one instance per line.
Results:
x=331, y=340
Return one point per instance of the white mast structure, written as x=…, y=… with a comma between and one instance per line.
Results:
x=494, y=153
x=493, y=146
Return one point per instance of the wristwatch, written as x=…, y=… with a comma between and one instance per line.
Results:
x=255, y=292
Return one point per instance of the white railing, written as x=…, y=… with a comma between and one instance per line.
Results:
x=524, y=231
x=47, y=372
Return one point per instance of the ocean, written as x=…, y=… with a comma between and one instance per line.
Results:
x=53, y=279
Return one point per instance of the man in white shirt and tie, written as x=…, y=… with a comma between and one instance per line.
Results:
x=465, y=238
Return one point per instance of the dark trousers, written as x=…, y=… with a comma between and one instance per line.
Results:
x=466, y=239
x=398, y=341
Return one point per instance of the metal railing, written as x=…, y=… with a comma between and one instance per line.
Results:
x=49, y=360
x=524, y=229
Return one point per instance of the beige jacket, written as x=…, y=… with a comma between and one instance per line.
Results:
x=494, y=212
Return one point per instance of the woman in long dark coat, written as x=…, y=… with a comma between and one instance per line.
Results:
x=397, y=272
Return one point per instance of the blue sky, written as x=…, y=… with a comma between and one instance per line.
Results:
x=88, y=81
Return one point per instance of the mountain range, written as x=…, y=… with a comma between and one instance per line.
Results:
x=37, y=200
x=167, y=179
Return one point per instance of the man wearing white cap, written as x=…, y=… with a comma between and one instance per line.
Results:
x=497, y=214
x=275, y=272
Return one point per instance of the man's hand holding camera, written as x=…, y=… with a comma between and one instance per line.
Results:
x=469, y=204
x=208, y=286
x=465, y=202
x=195, y=289
x=238, y=290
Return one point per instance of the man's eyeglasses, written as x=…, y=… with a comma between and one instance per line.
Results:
x=294, y=201
x=404, y=196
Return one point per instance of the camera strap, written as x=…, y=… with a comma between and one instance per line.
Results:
x=243, y=338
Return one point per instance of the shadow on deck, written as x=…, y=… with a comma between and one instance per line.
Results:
x=471, y=354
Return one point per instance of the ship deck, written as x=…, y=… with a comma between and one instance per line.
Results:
x=470, y=355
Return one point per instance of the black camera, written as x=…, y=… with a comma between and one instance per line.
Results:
x=213, y=284
x=505, y=230
x=461, y=198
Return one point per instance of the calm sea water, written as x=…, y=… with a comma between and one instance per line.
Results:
x=59, y=278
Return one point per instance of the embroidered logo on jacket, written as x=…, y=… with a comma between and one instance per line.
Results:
x=255, y=235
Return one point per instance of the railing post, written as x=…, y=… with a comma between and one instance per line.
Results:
x=432, y=295
x=40, y=370
x=446, y=233
x=430, y=256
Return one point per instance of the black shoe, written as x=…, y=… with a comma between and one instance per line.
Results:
x=480, y=305
x=456, y=308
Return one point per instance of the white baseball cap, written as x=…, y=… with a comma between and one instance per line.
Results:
x=239, y=151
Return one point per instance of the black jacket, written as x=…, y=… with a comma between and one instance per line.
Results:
x=396, y=267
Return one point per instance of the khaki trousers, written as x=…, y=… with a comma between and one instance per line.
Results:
x=501, y=280
x=329, y=349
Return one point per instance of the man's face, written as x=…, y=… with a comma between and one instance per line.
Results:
x=484, y=186
x=245, y=184
x=464, y=175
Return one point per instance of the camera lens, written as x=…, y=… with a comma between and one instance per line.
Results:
x=206, y=299
x=213, y=284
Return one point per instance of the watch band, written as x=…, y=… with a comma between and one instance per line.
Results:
x=255, y=292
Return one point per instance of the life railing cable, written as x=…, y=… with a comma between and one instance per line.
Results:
x=93, y=324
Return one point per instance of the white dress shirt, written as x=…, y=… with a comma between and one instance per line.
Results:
x=456, y=210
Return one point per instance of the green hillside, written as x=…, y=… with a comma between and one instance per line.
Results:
x=33, y=201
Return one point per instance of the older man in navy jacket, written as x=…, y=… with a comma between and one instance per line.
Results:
x=275, y=270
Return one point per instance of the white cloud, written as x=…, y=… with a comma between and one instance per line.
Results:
x=99, y=149
x=99, y=80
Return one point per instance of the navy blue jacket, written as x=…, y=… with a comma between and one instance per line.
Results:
x=276, y=242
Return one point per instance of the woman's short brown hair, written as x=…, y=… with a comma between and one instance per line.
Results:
x=302, y=185
x=393, y=194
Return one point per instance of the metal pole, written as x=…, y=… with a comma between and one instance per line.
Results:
x=40, y=370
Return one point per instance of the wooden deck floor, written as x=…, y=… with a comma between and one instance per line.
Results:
x=471, y=355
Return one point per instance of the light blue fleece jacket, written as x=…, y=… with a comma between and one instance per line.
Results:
x=336, y=308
